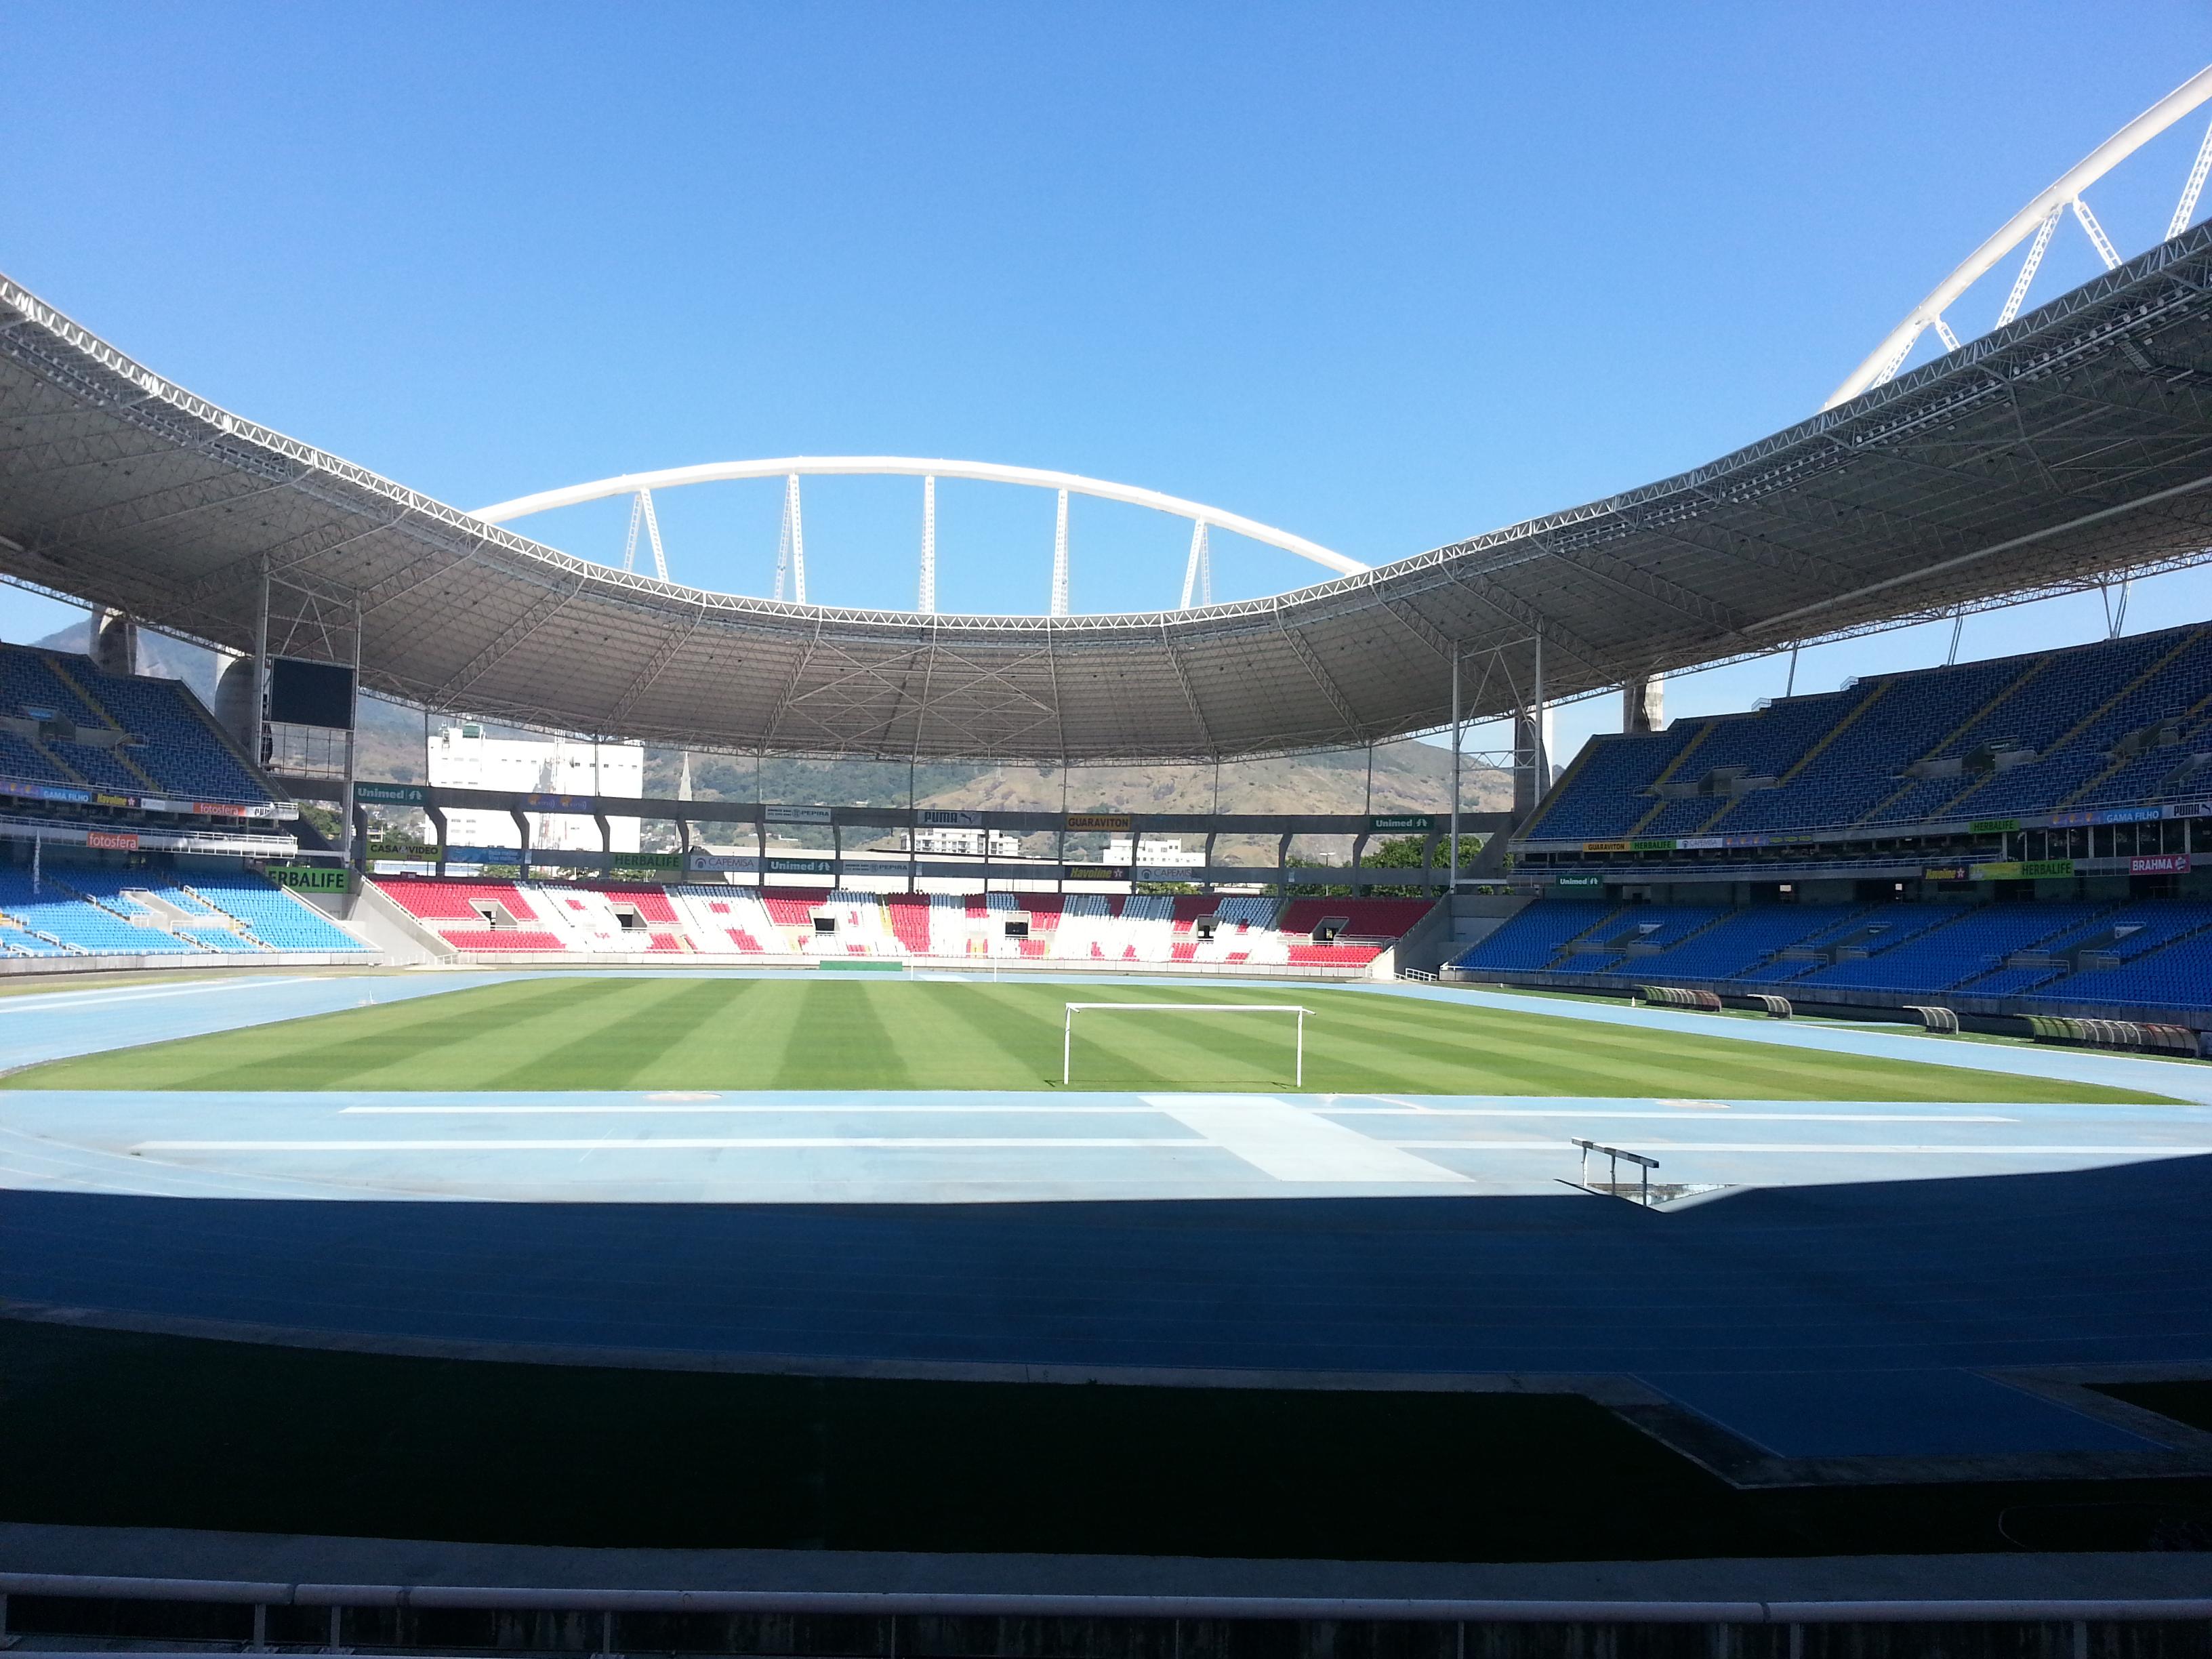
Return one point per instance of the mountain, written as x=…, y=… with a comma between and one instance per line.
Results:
x=1409, y=776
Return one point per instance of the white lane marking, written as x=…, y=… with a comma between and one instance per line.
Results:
x=652, y=1106
x=673, y=1143
x=1672, y=1117
x=1291, y=1144
x=1699, y=1105
x=815, y=1108
x=67, y=1001
x=1970, y=1150
x=1388, y=1100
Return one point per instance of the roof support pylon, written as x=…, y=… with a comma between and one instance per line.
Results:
x=925, y=601
x=1059, y=558
x=791, y=546
x=1198, y=571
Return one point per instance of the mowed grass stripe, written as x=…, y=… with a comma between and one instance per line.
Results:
x=834, y=1033
x=1153, y=1048
x=435, y=1041
x=840, y=1020
x=1009, y=1042
x=642, y=1025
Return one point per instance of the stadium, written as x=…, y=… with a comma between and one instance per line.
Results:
x=1732, y=1189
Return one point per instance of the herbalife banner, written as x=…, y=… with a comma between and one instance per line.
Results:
x=311, y=877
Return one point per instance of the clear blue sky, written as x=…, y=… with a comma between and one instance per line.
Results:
x=1385, y=275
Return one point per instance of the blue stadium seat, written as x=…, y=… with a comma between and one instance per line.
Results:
x=1842, y=758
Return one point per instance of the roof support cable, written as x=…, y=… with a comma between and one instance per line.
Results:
x=2098, y=240
x=2027, y=266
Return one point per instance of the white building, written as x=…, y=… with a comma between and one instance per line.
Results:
x=969, y=843
x=1152, y=850
x=463, y=757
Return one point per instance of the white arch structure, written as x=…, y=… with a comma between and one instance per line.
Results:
x=2037, y=221
x=1198, y=578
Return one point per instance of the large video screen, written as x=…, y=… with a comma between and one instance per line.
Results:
x=310, y=693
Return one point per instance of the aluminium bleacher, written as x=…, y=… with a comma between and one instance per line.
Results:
x=1916, y=747
x=2152, y=953
x=154, y=736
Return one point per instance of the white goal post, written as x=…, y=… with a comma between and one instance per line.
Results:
x=1067, y=1031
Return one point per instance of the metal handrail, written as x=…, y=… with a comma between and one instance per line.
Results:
x=1616, y=1154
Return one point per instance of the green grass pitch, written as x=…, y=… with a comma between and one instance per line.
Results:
x=837, y=1033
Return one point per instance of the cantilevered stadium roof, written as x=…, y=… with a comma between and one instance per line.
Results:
x=2073, y=446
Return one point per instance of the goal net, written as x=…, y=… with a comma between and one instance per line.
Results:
x=1295, y=1022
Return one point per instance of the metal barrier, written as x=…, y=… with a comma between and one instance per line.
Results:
x=1615, y=1154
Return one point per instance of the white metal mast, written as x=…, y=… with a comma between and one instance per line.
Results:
x=640, y=512
x=1198, y=572
x=2185, y=209
x=928, y=597
x=1059, y=558
x=791, y=545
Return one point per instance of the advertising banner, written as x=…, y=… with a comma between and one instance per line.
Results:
x=1948, y=872
x=391, y=794
x=1992, y=826
x=1604, y=846
x=582, y=805
x=798, y=814
x=802, y=866
x=721, y=861
x=1404, y=823
x=1098, y=821
x=120, y=840
x=1097, y=871
x=2033, y=869
x=310, y=878
x=935, y=819
x=648, y=864
x=1581, y=881
x=2160, y=864
x=1656, y=844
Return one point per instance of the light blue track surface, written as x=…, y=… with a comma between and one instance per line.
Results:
x=1827, y=1307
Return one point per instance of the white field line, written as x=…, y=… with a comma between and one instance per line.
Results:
x=1970, y=1149
x=1671, y=1117
x=1287, y=1153
x=673, y=1143
x=1292, y=1143
x=811, y=1107
x=75, y=1001
x=819, y=1107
